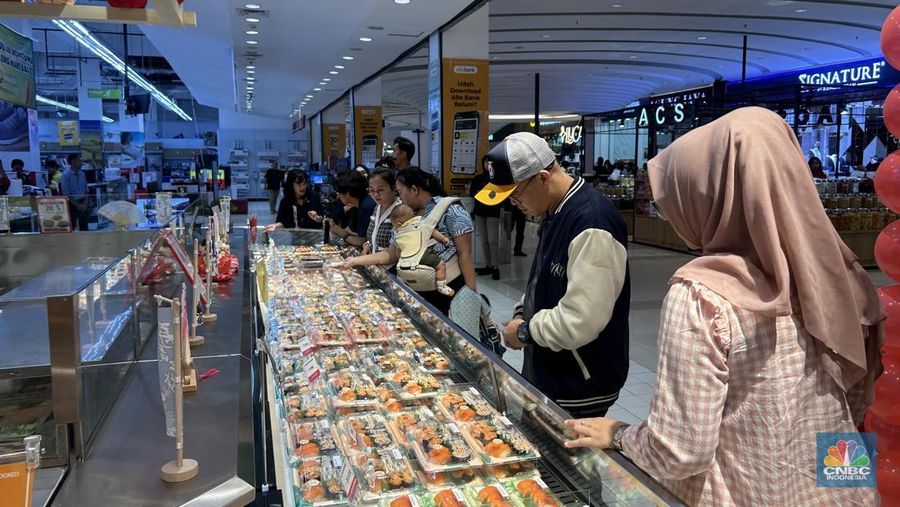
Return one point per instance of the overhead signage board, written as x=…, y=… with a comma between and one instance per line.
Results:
x=16, y=69
x=871, y=72
x=105, y=93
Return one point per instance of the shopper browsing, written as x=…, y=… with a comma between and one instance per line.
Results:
x=274, y=178
x=422, y=192
x=404, y=149
x=766, y=341
x=356, y=208
x=487, y=223
x=573, y=319
x=411, y=236
x=74, y=186
x=297, y=203
x=383, y=192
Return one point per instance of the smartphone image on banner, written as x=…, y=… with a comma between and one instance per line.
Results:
x=369, y=150
x=464, y=157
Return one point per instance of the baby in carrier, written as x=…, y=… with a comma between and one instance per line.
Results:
x=410, y=237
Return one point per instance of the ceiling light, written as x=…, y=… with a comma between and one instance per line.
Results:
x=67, y=107
x=701, y=37
x=365, y=39
x=615, y=6
x=317, y=89
x=546, y=36
x=326, y=79
x=632, y=57
x=347, y=57
x=322, y=83
x=333, y=72
x=251, y=72
x=401, y=2
x=252, y=20
x=87, y=39
x=252, y=42
x=801, y=11
x=531, y=116
x=251, y=78
x=252, y=32
x=253, y=6
x=338, y=66
x=251, y=67
x=309, y=96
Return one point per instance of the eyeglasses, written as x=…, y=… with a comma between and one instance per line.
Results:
x=514, y=197
x=659, y=213
x=378, y=191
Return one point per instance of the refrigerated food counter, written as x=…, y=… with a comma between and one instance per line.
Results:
x=376, y=398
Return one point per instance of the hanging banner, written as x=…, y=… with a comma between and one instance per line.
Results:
x=334, y=143
x=16, y=69
x=68, y=132
x=434, y=102
x=465, y=112
x=105, y=93
x=166, y=363
x=368, y=134
x=91, y=139
x=4, y=213
x=163, y=207
x=53, y=214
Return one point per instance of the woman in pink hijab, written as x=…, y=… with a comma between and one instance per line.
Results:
x=768, y=339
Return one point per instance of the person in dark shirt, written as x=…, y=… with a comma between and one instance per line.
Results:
x=487, y=224
x=297, y=204
x=274, y=177
x=815, y=167
x=352, y=190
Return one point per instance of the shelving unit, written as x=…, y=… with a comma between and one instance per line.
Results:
x=240, y=173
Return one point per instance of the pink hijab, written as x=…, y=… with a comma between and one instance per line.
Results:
x=739, y=190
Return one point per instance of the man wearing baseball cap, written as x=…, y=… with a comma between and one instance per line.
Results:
x=572, y=320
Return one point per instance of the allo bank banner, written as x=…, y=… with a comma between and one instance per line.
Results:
x=464, y=107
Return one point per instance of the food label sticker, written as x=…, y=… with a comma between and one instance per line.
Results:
x=349, y=482
x=326, y=424
x=413, y=501
x=541, y=483
x=453, y=428
x=474, y=391
x=396, y=453
x=313, y=372
x=337, y=461
x=505, y=420
x=458, y=496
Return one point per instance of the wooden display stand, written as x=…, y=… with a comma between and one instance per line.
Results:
x=653, y=231
x=862, y=243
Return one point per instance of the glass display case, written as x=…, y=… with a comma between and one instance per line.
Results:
x=376, y=398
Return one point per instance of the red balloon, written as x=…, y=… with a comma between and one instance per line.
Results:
x=889, y=476
x=888, y=434
x=890, y=300
x=890, y=38
x=887, y=181
x=892, y=111
x=887, y=391
x=887, y=250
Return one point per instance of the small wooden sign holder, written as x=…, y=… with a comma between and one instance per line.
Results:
x=180, y=469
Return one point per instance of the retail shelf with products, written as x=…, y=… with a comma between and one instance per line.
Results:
x=240, y=173
x=366, y=376
x=621, y=194
x=856, y=213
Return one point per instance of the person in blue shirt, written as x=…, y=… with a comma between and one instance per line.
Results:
x=74, y=186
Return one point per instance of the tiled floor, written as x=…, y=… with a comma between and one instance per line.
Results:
x=650, y=272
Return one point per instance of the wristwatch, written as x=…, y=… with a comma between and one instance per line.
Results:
x=617, y=436
x=523, y=334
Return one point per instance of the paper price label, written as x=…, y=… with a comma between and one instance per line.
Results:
x=396, y=454
x=505, y=420
x=349, y=482
x=453, y=428
x=311, y=368
x=4, y=213
x=474, y=391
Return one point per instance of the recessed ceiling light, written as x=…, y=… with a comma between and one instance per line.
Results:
x=701, y=37
x=251, y=72
x=401, y=2
x=309, y=96
x=251, y=67
x=546, y=36
x=317, y=89
x=252, y=20
x=252, y=32
x=347, y=57
x=615, y=6
x=322, y=83
x=326, y=79
x=338, y=66
x=252, y=42
x=801, y=11
x=253, y=6
x=251, y=78
x=632, y=57
x=365, y=39
x=333, y=72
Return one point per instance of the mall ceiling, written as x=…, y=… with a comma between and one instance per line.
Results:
x=600, y=55
x=593, y=55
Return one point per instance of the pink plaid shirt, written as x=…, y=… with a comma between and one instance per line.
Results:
x=739, y=400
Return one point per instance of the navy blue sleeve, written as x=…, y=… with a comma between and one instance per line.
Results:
x=366, y=210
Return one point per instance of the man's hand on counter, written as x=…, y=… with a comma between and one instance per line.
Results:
x=511, y=334
x=594, y=432
x=350, y=262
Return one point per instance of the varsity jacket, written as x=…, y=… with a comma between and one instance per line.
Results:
x=577, y=302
